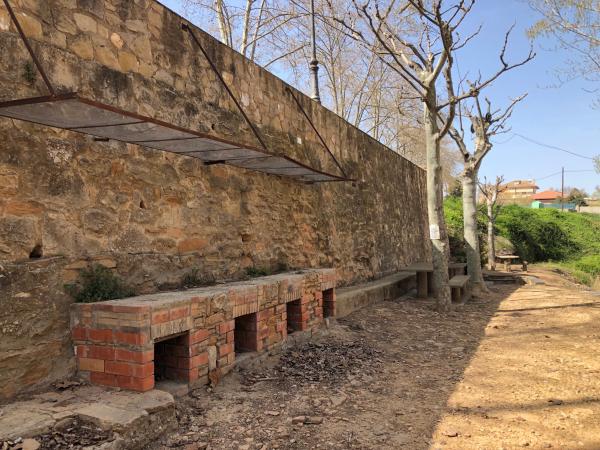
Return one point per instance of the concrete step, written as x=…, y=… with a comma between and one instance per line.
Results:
x=135, y=419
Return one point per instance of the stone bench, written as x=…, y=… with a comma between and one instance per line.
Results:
x=351, y=298
x=187, y=335
x=459, y=285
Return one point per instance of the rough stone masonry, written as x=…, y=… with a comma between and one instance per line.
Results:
x=153, y=216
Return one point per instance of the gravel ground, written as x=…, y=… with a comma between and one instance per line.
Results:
x=518, y=368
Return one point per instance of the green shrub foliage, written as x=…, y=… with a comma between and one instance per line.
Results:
x=538, y=235
x=98, y=283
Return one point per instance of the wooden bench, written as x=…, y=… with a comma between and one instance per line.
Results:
x=460, y=288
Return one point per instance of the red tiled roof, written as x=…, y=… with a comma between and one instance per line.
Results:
x=547, y=195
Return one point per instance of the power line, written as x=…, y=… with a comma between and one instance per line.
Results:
x=548, y=176
x=553, y=147
x=566, y=171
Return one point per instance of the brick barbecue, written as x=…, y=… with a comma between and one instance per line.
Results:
x=189, y=335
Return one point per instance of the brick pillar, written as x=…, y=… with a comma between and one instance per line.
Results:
x=328, y=302
x=113, y=345
x=226, y=345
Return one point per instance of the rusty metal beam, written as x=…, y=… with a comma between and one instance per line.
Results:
x=317, y=132
x=36, y=61
x=187, y=28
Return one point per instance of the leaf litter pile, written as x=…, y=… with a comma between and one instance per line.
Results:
x=331, y=362
x=75, y=434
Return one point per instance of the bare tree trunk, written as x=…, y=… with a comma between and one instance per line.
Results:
x=469, y=185
x=437, y=226
x=245, y=30
x=490, y=237
x=224, y=26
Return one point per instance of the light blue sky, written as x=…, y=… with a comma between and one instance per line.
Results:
x=560, y=116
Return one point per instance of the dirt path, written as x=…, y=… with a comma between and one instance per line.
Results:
x=518, y=369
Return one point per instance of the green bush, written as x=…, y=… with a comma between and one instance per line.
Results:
x=97, y=284
x=254, y=272
x=589, y=264
x=193, y=279
x=570, y=240
x=549, y=234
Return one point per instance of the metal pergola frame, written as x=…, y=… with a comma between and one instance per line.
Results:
x=74, y=112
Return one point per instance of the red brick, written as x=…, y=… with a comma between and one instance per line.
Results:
x=87, y=321
x=135, y=384
x=130, y=309
x=102, y=307
x=281, y=326
x=178, y=313
x=79, y=333
x=100, y=335
x=96, y=352
x=200, y=360
x=136, y=357
x=194, y=362
x=129, y=369
x=160, y=316
x=226, y=326
x=230, y=337
x=265, y=314
x=319, y=312
x=84, y=307
x=225, y=349
x=131, y=338
x=196, y=349
x=104, y=379
x=193, y=337
x=90, y=364
x=306, y=299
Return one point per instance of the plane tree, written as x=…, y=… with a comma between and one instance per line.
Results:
x=425, y=60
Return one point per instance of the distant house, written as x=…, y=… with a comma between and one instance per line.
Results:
x=547, y=197
x=518, y=191
x=551, y=199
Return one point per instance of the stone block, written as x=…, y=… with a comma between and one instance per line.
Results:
x=85, y=23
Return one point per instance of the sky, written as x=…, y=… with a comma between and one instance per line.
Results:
x=561, y=116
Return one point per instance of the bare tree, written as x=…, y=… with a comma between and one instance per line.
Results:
x=491, y=191
x=423, y=62
x=575, y=24
x=485, y=123
x=248, y=26
x=355, y=83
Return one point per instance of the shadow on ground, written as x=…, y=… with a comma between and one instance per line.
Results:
x=392, y=396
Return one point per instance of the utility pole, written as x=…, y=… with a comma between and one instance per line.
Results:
x=314, y=64
x=562, y=190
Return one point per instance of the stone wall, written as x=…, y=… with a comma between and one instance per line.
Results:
x=153, y=216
